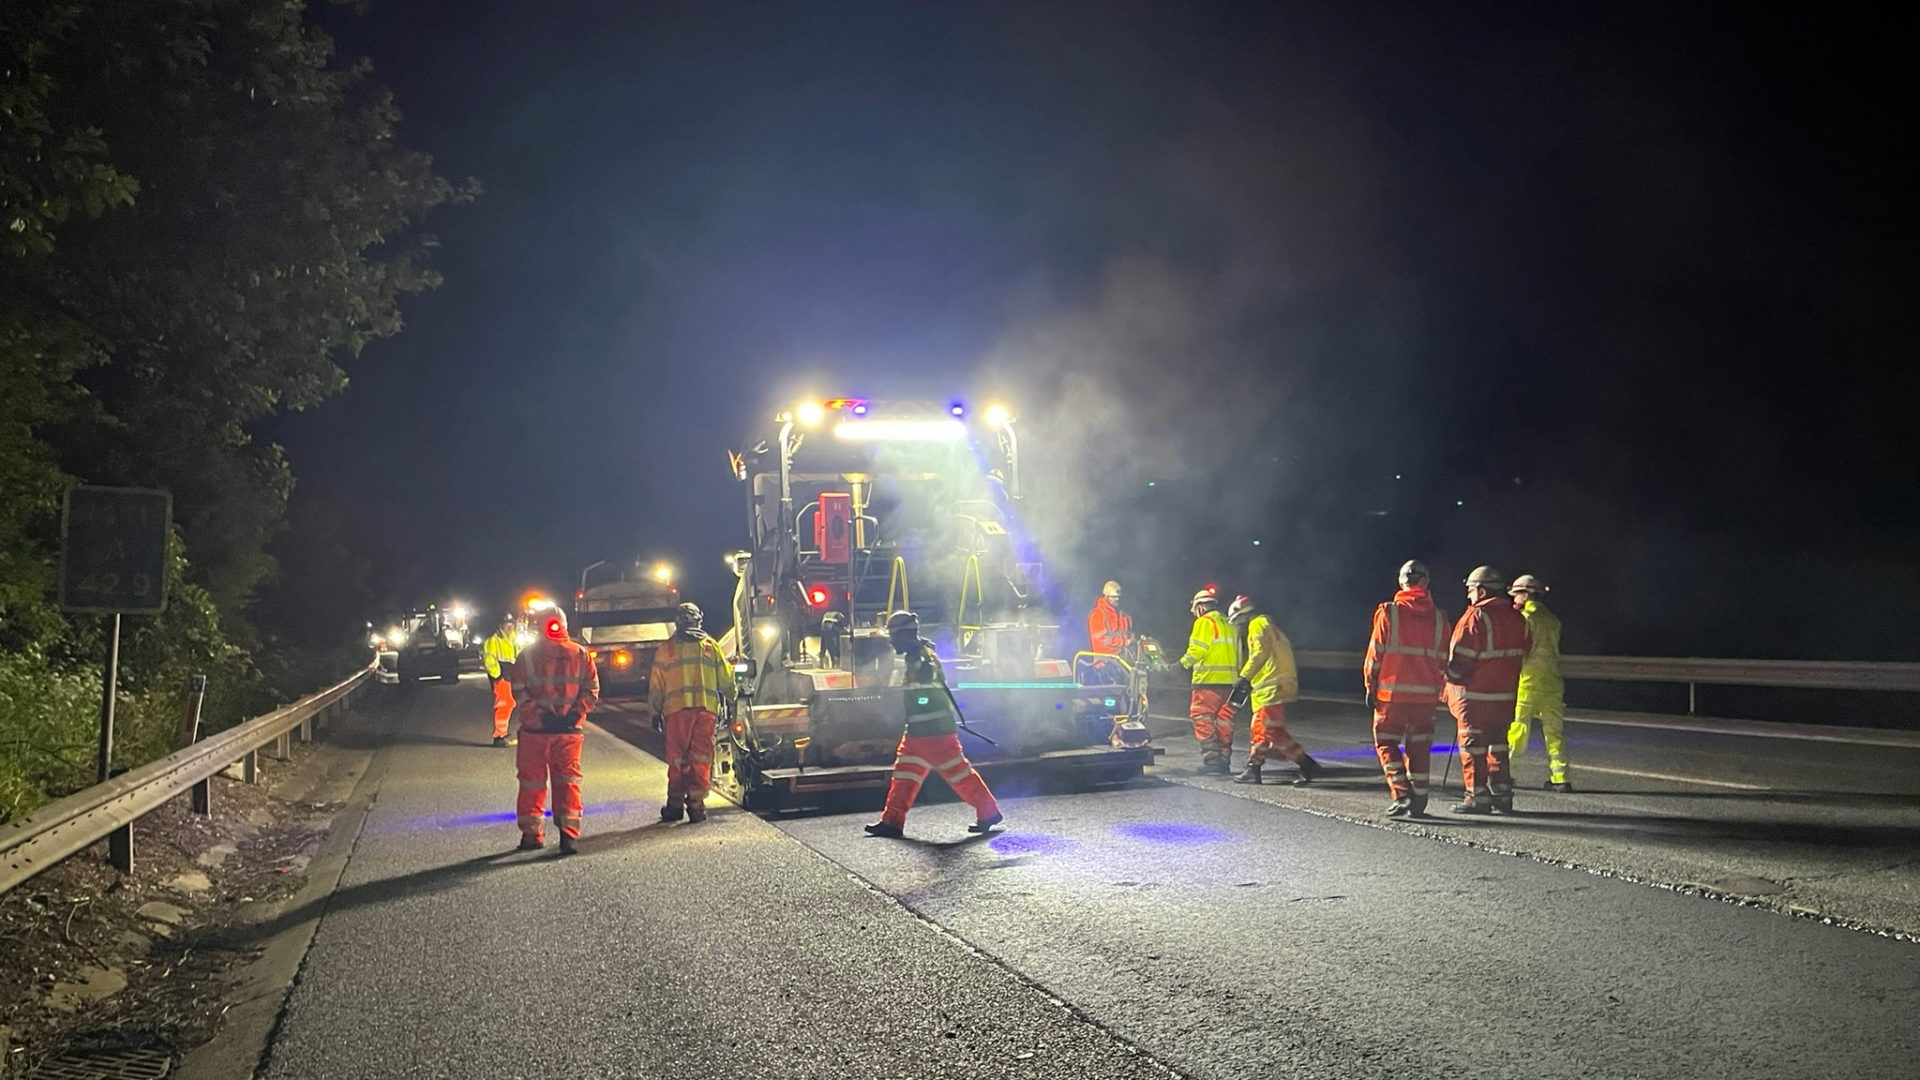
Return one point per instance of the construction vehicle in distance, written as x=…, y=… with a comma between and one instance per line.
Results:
x=621, y=613
x=429, y=643
x=859, y=508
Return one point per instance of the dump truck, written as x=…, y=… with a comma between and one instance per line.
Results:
x=857, y=508
x=622, y=611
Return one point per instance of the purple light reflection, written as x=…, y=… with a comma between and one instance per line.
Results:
x=1029, y=844
x=1170, y=832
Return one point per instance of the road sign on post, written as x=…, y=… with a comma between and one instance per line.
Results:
x=113, y=561
x=113, y=550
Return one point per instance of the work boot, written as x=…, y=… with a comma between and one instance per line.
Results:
x=986, y=824
x=1223, y=766
x=696, y=813
x=1503, y=803
x=1310, y=770
x=1249, y=775
x=499, y=740
x=1560, y=786
x=1209, y=764
x=567, y=845
x=886, y=829
x=1400, y=808
x=1417, y=806
x=670, y=812
x=1473, y=806
x=530, y=842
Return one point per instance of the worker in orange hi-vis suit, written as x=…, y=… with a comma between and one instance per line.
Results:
x=555, y=686
x=688, y=690
x=1484, y=658
x=1109, y=630
x=1404, y=670
x=497, y=654
x=931, y=742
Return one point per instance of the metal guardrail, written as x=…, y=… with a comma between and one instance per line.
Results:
x=66, y=827
x=1697, y=671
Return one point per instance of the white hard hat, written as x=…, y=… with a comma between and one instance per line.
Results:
x=1527, y=583
x=1486, y=576
x=1414, y=572
x=1111, y=590
x=1242, y=605
x=1207, y=597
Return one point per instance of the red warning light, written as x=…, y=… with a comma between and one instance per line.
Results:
x=817, y=596
x=556, y=629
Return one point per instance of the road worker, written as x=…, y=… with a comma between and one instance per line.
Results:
x=1109, y=634
x=1109, y=629
x=1484, y=658
x=555, y=686
x=496, y=654
x=1403, y=674
x=1267, y=681
x=931, y=742
x=1542, y=693
x=688, y=688
x=1213, y=656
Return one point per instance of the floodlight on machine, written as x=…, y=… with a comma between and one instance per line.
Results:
x=662, y=573
x=810, y=413
x=997, y=416
x=946, y=429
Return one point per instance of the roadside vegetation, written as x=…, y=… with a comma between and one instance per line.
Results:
x=203, y=213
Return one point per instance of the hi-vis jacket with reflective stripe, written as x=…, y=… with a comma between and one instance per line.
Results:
x=496, y=650
x=923, y=692
x=1213, y=651
x=1541, y=688
x=1489, y=644
x=1407, y=652
x=688, y=673
x=1269, y=667
x=1108, y=628
x=555, y=686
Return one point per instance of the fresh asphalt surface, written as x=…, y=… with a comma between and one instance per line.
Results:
x=1214, y=930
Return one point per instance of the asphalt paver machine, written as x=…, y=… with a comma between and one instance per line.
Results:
x=858, y=508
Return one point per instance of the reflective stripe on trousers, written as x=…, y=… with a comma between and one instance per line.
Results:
x=1395, y=724
x=689, y=754
x=542, y=758
x=1212, y=721
x=912, y=763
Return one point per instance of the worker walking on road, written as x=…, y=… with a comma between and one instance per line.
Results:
x=1267, y=681
x=496, y=654
x=1213, y=656
x=555, y=686
x=1542, y=692
x=688, y=689
x=1484, y=657
x=931, y=742
x=1403, y=673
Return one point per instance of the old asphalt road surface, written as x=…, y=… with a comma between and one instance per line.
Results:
x=1114, y=933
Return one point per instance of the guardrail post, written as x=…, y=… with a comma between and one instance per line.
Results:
x=250, y=767
x=283, y=746
x=120, y=848
x=306, y=730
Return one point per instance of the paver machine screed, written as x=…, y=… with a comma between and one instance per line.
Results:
x=859, y=508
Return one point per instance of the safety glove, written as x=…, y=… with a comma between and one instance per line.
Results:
x=1242, y=692
x=659, y=722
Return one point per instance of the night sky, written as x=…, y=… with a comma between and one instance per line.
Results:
x=1619, y=297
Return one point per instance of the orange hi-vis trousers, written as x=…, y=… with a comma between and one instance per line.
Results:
x=1269, y=736
x=1212, y=721
x=1411, y=724
x=542, y=756
x=689, y=757
x=1483, y=744
x=502, y=706
x=920, y=755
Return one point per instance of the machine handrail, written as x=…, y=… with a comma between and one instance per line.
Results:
x=66, y=827
x=1710, y=671
x=897, y=579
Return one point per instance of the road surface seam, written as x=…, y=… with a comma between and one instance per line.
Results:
x=365, y=794
x=1691, y=888
x=938, y=929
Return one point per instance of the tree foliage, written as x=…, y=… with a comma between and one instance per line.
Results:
x=203, y=212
